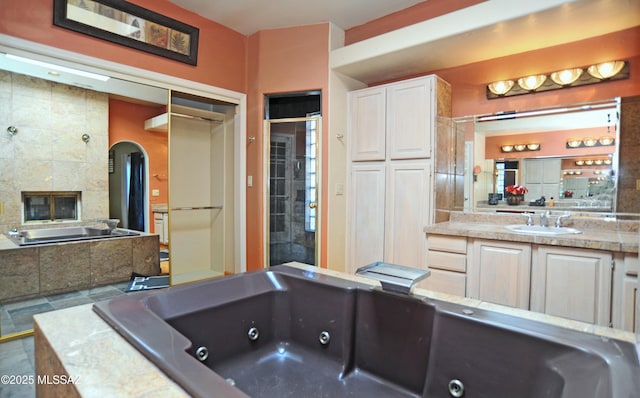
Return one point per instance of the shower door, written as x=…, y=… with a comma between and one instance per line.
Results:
x=292, y=186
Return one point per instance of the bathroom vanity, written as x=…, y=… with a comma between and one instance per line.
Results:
x=590, y=276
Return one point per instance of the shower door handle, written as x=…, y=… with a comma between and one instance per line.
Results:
x=313, y=205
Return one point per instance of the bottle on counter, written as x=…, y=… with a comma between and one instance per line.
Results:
x=551, y=202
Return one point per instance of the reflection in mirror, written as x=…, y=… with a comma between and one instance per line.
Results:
x=567, y=153
x=52, y=109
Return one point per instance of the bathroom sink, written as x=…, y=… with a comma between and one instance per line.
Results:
x=540, y=230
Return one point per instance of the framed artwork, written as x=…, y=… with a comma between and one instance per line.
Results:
x=129, y=25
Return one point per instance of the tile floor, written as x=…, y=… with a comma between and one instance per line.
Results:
x=16, y=357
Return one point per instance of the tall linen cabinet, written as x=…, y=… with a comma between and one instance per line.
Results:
x=403, y=160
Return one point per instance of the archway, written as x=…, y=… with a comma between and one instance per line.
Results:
x=129, y=185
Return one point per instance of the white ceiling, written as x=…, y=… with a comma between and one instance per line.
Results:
x=250, y=16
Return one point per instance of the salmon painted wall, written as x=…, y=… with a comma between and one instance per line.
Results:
x=221, y=55
x=126, y=123
x=409, y=16
x=280, y=61
x=469, y=82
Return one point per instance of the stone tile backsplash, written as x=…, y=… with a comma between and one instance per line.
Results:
x=47, y=153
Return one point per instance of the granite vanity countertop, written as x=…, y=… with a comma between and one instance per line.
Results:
x=76, y=342
x=160, y=208
x=616, y=236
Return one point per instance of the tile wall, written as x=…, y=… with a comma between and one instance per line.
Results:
x=629, y=173
x=449, y=158
x=47, y=153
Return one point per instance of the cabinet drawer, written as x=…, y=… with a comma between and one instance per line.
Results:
x=445, y=282
x=454, y=244
x=447, y=261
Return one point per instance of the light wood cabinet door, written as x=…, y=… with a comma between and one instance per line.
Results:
x=499, y=272
x=367, y=124
x=629, y=303
x=408, y=208
x=542, y=178
x=572, y=283
x=410, y=119
x=366, y=229
x=445, y=282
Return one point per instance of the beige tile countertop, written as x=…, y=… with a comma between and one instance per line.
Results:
x=6, y=243
x=597, y=233
x=77, y=343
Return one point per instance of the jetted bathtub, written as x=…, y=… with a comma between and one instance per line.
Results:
x=65, y=234
x=286, y=332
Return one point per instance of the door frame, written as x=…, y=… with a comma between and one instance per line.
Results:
x=147, y=216
x=267, y=172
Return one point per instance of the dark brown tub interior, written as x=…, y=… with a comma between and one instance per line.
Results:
x=379, y=344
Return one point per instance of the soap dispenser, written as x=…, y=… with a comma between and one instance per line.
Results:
x=551, y=202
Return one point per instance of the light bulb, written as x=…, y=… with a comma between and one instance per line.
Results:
x=567, y=76
x=531, y=83
x=606, y=70
x=500, y=87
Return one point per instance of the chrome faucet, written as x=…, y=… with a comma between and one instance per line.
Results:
x=112, y=223
x=529, y=218
x=544, y=219
x=559, y=220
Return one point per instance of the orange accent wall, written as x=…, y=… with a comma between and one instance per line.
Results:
x=468, y=82
x=126, y=123
x=409, y=16
x=221, y=55
x=280, y=61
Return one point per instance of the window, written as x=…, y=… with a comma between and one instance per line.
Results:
x=310, y=183
x=500, y=177
x=50, y=206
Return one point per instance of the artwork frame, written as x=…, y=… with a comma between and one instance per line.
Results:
x=129, y=25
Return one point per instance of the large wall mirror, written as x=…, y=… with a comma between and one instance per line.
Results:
x=568, y=153
x=59, y=121
x=64, y=121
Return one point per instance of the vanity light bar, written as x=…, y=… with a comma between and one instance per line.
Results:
x=571, y=77
x=593, y=162
x=573, y=143
x=520, y=148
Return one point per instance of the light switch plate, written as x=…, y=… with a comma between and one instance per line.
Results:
x=155, y=192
